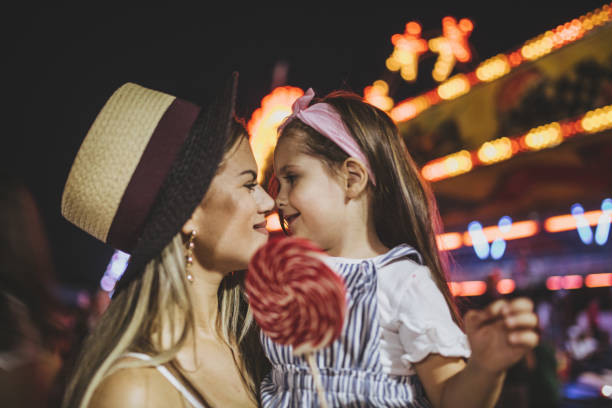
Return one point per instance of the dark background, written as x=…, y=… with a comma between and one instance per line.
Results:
x=62, y=62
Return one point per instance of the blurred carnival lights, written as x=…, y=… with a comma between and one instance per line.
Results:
x=408, y=48
x=602, y=232
x=454, y=87
x=493, y=68
x=114, y=270
x=506, y=286
x=262, y=126
x=377, y=94
x=582, y=225
x=538, y=138
x=606, y=391
x=479, y=241
x=452, y=46
x=502, y=64
x=498, y=246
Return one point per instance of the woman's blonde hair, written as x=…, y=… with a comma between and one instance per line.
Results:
x=403, y=204
x=159, y=302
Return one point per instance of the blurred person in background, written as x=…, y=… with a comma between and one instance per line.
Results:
x=31, y=334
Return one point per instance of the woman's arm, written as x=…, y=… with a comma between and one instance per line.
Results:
x=500, y=335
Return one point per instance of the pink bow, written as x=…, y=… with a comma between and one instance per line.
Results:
x=323, y=118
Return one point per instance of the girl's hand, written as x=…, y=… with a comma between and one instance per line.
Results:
x=501, y=334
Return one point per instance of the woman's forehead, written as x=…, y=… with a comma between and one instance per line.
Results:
x=239, y=159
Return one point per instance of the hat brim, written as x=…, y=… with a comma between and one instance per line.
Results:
x=187, y=181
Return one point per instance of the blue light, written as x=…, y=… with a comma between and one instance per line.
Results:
x=603, y=225
x=577, y=210
x=505, y=224
x=479, y=241
x=498, y=247
x=582, y=225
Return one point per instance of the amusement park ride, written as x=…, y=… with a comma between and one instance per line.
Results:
x=517, y=152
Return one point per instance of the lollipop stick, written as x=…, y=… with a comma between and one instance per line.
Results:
x=317, y=379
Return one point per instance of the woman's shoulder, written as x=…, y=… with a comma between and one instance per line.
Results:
x=135, y=387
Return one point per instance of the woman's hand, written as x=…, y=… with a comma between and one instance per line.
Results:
x=501, y=334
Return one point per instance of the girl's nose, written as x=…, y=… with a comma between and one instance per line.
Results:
x=281, y=200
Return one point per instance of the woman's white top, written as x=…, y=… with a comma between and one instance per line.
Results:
x=195, y=403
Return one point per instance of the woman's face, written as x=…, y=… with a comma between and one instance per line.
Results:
x=230, y=222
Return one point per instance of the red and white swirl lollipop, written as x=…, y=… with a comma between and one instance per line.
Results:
x=296, y=298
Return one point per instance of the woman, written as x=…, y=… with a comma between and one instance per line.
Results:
x=175, y=186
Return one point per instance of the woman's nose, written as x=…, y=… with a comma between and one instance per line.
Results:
x=265, y=203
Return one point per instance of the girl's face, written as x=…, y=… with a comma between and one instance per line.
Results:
x=311, y=199
x=230, y=221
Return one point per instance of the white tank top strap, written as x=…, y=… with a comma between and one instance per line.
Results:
x=171, y=378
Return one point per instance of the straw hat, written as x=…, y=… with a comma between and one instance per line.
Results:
x=143, y=167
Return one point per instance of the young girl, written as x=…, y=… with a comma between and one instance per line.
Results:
x=348, y=184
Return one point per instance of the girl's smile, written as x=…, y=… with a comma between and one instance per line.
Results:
x=291, y=218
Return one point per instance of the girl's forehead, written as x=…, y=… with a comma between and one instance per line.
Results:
x=287, y=149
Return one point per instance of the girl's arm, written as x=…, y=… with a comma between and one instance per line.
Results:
x=499, y=336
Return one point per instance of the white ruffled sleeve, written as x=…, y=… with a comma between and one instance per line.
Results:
x=425, y=322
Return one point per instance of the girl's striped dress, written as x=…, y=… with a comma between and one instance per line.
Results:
x=351, y=370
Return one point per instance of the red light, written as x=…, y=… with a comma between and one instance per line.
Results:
x=457, y=35
x=596, y=280
x=567, y=222
x=455, y=288
x=466, y=25
x=505, y=286
x=515, y=58
x=413, y=28
x=572, y=282
x=473, y=288
x=449, y=241
x=554, y=283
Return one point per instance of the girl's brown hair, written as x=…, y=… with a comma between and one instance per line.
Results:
x=404, y=206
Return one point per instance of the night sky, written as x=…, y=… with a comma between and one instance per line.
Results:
x=62, y=63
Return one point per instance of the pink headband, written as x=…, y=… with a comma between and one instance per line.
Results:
x=323, y=118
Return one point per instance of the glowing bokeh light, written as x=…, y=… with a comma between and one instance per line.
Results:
x=582, y=224
x=452, y=46
x=473, y=288
x=478, y=239
x=449, y=241
x=377, y=94
x=262, y=126
x=454, y=87
x=597, y=280
x=518, y=230
x=408, y=48
x=505, y=286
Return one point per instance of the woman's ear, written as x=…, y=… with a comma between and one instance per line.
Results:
x=188, y=226
x=356, y=177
